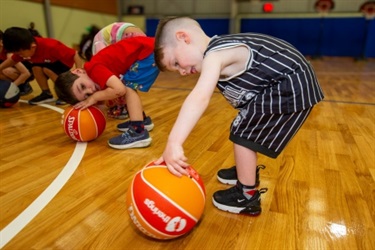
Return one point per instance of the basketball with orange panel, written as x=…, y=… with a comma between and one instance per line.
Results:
x=162, y=205
x=83, y=125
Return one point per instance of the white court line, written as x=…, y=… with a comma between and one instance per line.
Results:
x=13, y=228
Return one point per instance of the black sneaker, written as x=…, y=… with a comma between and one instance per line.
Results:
x=42, y=98
x=25, y=88
x=229, y=175
x=232, y=200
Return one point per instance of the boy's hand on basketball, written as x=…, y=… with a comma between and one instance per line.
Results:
x=175, y=160
x=85, y=103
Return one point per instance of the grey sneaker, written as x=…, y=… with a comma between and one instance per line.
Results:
x=130, y=139
x=123, y=127
x=42, y=98
x=229, y=175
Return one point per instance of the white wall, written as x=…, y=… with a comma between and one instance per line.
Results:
x=68, y=23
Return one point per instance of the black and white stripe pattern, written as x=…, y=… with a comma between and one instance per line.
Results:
x=267, y=133
x=274, y=93
x=278, y=78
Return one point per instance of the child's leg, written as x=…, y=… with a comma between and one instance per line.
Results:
x=20, y=79
x=50, y=74
x=41, y=78
x=42, y=81
x=246, y=164
x=136, y=136
x=244, y=197
x=140, y=76
x=134, y=105
x=10, y=74
x=135, y=112
x=53, y=76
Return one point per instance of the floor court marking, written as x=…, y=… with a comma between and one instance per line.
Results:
x=14, y=227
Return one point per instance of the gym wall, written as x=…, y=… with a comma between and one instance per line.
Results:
x=342, y=32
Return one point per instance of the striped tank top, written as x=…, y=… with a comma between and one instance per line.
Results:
x=276, y=78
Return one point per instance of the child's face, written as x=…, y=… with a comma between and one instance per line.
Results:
x=83, y=86
x=132, y=32
x=184, y=58
x=26, y=53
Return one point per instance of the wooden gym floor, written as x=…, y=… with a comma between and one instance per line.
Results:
x=321, y=189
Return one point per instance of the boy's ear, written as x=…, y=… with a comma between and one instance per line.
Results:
x=183, y=36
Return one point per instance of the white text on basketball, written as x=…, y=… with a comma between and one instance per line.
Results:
x=155, y=210
x=136, y=222
x=72, y=132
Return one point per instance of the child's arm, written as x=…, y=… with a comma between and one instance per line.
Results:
x=23, y=73
x=7, y=63
x=191, y=111
x=115, y=88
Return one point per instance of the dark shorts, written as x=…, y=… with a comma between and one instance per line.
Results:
x=267, y=134
x=57, y=67
x=28, y=65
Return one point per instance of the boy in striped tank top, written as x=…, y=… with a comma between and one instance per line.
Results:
x=266, y=79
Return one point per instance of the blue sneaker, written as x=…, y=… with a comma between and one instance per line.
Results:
x=130, y=139
x=123, y=127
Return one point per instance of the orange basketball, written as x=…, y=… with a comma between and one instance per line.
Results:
x=83, y=125
x=164, y=206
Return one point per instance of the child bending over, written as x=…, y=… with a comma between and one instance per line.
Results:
x=271, y=84
x=108, y=35
x=120, y=69
x=48, y=57
x=18, y=74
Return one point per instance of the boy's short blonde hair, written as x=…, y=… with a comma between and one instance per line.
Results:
x=164, y=36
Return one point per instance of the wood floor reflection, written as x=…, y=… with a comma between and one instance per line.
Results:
x=321, y=189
